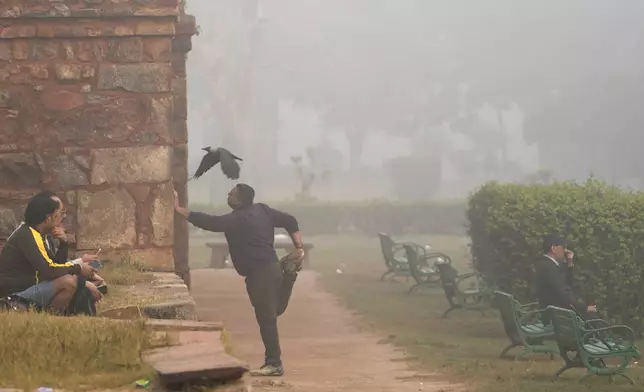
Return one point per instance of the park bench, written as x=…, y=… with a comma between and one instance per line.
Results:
x=524, y=326
x=219, y=251
x=466, y=292
x=423, y=265
x=592, y=342
x=394, y=257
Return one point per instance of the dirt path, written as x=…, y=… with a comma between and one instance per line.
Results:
x=322, y=349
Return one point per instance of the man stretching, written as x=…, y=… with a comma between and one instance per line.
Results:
x=250, y=232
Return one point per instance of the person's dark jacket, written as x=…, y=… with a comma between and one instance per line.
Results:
x=24, y=261
x=553, y=283
x=250, y=232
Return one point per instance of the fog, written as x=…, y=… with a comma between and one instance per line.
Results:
x=415, y=99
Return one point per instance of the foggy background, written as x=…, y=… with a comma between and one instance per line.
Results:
x=415, y=99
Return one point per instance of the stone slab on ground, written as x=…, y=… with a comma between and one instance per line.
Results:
x=194, y=362
x=176, y=310
x=183, y=325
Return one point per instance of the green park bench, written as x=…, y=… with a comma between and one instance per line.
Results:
x=588, y=343
x=523, y=325
x=394, y=257
x=465, y=292
x=423, y=266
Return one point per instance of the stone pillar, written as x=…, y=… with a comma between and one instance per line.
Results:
x=89, y=104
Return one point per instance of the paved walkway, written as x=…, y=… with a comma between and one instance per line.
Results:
x=322, y=349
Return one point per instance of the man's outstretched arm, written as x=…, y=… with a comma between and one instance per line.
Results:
x=214, y=223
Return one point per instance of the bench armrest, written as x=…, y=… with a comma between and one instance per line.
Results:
x=625, y=339
x=598, y=323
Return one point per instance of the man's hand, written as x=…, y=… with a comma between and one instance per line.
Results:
x=592, y=309
x=59, y=234
x=96, y=294
x=88, y=258
x=177, y=207
x=87, y=270
x=569, y=255
x=296, y=256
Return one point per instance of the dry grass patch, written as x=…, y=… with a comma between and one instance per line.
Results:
x=70, y=352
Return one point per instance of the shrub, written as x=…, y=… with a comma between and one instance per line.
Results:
x=506, y=224
x=371, y=217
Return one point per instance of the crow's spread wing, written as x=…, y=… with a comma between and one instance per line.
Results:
x=228, y=164
x=207, y=162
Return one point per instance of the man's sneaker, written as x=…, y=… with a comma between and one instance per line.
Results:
x=268, y=371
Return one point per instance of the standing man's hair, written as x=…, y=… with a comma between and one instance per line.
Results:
x=246, y=194
x=39, y=207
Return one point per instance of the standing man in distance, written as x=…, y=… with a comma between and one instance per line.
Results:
x=250, y=232
x=554, y=277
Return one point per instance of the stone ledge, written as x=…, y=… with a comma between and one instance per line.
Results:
x=16, y=9
x=86, y=28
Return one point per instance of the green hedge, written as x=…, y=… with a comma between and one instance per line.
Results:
x=506, y=224
x=439, y=218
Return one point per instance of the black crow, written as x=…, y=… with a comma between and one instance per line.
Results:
x=228, y=165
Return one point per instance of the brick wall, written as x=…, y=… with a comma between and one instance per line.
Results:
x=93, y=106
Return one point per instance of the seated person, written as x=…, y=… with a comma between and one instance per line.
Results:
x=553, y=278
x=27, y=271
x=60, y=255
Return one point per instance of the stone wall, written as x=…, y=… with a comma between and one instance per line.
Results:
x=93, y=106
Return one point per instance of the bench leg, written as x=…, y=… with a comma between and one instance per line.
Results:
x=450, y=310
x=630, y=380
x=217, y=259
x=562, y=370
x=385, y=275
x=523, y=354
x=507, y=349
x=413, y=288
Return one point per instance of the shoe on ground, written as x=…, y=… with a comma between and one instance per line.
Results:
x=268, y=371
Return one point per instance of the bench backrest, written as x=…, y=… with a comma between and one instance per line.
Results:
x=415, y=262
x=508, y=307
x=566, y=327
x=387, y=246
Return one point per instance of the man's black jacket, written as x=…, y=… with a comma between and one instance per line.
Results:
x=553, y=283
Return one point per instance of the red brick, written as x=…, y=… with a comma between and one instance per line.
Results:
x=18, y=31
x=62, y=100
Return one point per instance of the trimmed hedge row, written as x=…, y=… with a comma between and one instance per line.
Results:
x=439, y=218
x=604, y=226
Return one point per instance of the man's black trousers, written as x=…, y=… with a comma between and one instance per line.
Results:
x=269, y=290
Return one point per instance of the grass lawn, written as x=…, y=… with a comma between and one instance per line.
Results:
x=464, y=348
x=75, y=352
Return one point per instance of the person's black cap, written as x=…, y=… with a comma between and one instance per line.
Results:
x=551, y=240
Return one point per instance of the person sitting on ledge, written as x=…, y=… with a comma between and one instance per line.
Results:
x=59, y=255
x=28, y=272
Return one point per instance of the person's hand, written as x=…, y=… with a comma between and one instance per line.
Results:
x=177, y=207
x=592, y=309
x=570, y=255
x=96, y=294
x=88, y=258
x=59, y=234
x=87, y=270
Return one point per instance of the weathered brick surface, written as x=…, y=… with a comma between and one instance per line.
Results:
x=93, y=106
